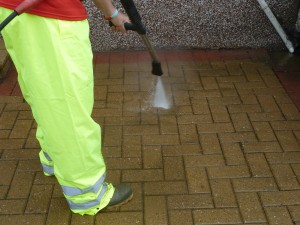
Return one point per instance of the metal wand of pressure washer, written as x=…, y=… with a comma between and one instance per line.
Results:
x=138, y=26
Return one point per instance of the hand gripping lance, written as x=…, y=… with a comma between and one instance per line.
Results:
x=138, y=26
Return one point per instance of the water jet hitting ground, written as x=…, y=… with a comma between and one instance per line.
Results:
x=159, y=97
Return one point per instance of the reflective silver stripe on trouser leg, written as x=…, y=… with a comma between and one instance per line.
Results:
x=47, y=157
x=72, y=191
x=90, y=204
x=47, y=168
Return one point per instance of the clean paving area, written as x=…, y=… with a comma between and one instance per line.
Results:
x=225, y=151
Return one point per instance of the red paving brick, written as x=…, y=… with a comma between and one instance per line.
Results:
x=227, y=151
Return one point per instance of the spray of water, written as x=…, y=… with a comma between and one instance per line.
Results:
x=160, y=99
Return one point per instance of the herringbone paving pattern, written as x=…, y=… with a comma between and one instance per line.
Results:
x=226, y=152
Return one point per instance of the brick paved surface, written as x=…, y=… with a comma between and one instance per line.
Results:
x=226, y=152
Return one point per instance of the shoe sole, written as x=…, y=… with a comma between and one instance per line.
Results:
x=121, y=203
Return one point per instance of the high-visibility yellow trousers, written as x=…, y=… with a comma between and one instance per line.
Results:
x=53, y=59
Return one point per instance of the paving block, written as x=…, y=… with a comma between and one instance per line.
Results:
x=138, y=175
x=197, y=180
x=22, y=219
x=126, y=218
x=180, y=217
x=7, y=171
x=278, y=215
x=233, y=154
x=155, y=210
x=258, y=165
x=21, y=185
x=279, y=198
x=254, y=184
x=285, y=177
x=173, y=168
x=12, y=206
x=194, y=201
x=223, y=194
x=79, y=220
x=228, y=172
x=250, y=207
x=39, y=199
x=217, y=216
x=152, y=157
x=165, y=188
x=59, y=212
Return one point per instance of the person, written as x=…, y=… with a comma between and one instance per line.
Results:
x=50, y=47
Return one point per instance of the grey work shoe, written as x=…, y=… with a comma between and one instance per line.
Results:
x=123, y=194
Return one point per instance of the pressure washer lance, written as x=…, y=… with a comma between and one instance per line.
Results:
x=138, y=26
x=159, y=98
x=24, y=6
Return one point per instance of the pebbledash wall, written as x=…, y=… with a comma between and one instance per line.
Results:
x=201, y=24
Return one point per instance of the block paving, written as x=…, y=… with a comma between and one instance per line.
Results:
x=227, y=151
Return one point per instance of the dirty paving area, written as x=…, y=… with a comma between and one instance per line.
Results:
x=221, y=148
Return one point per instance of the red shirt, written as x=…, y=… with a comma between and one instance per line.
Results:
x=57, y=9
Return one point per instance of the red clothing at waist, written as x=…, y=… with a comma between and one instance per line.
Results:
x=57, y=9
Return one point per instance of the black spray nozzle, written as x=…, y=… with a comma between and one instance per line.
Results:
x=156, y=68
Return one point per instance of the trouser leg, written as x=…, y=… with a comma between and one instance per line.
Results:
x=54, y=62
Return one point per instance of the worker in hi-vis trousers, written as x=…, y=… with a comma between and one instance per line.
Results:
x=51, y=50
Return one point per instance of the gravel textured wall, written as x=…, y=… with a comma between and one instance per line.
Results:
x=203, y=24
